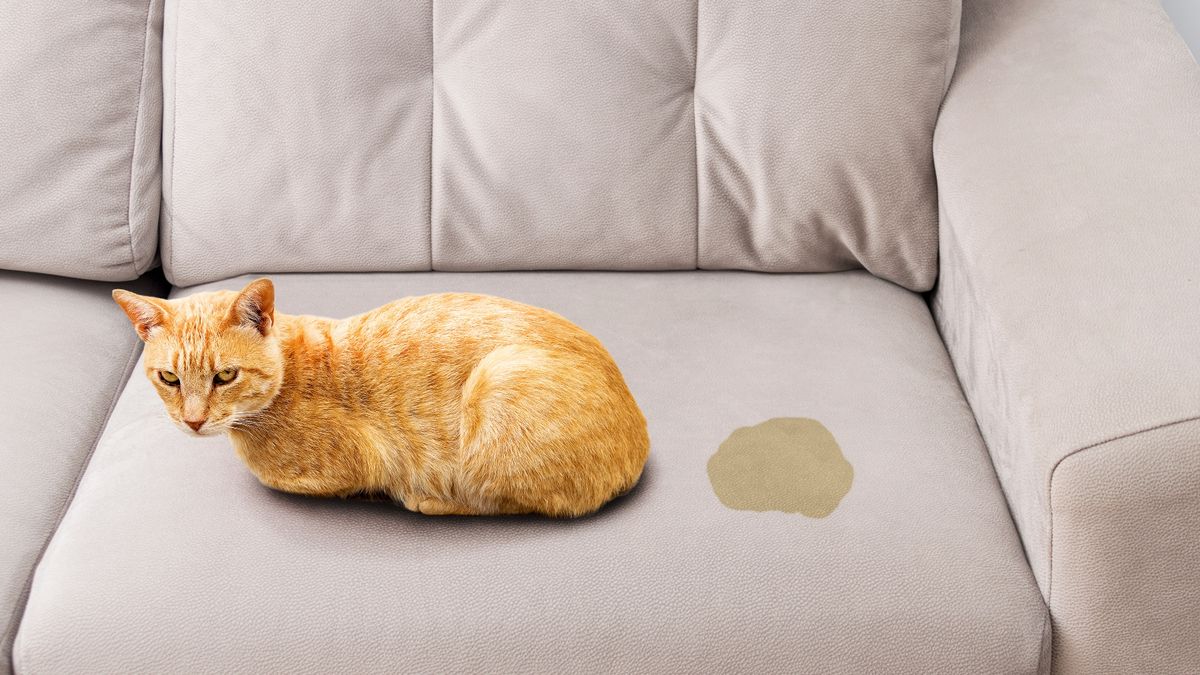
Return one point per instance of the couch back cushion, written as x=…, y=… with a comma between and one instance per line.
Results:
x=80, y=123
x=540, y=134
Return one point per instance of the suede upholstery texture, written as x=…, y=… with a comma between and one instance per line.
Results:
x=173, y=558
x=667, y=135
x=523, y=134
x=65, y=351
x=1068, y=159
x=80, y=124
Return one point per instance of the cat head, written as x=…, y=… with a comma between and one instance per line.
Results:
x=214, y=358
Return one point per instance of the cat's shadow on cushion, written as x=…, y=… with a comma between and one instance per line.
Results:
x=343, y=521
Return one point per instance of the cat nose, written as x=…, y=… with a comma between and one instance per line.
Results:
x=195, y=424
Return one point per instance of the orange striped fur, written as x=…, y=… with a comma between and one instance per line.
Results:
x=449, y=404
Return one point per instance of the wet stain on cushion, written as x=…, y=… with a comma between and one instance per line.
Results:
x=789, y=464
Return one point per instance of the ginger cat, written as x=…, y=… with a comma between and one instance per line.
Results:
x=449, y=404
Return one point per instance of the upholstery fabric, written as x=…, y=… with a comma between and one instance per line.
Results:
x=564, y=135
x=80, y=122
x=296, y=141
x=1068, y=157
x=815, y=120
x=173, y=558
x=65, y=351
x=524, y=134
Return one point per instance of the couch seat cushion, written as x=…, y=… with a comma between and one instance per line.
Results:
x=173, y=557
x=65, y=351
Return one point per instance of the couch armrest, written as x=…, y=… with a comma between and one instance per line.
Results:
x=1068, y=165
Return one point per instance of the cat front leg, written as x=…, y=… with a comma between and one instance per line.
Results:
x=306, y=486
x=438, y=507
x=432, y=506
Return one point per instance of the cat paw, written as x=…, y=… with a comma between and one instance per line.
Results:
x=437, y=507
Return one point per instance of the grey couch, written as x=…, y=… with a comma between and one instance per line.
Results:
x=961, y=241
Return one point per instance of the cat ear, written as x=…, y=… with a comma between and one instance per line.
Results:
x=254, y=307
x=146, y=314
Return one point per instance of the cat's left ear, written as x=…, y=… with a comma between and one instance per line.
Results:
x=254, y=307
x=145, y=313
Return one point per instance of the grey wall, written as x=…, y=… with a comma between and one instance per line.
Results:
x=1186, y=14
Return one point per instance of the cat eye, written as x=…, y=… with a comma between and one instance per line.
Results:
x=225, y=376
x=170, y=378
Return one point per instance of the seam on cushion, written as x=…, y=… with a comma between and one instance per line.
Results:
x=432, y=121
x=946, y=49
x=137, y=124
x=174, y=127
x=937, y=118
x=949, y=75
x=696, y=126
x=1078, y=451
x=23, y=599
x=1043, y=649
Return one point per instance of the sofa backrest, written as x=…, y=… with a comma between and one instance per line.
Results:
x=80, y=123
x=544, y=134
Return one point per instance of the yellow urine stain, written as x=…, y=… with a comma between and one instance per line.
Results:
x=789, y=464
